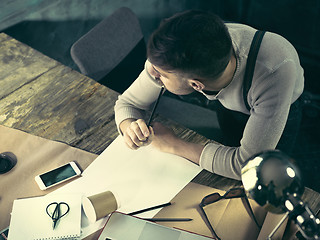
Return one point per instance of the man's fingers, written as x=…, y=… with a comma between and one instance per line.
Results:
x=151, y=136
x=134, y=138
x=140, y=129
x=129, y=143
x=138, y=134
x=143, y=128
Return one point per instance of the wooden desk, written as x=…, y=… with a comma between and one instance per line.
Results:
x=45, y=98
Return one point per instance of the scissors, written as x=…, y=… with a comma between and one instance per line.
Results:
x=56, y=214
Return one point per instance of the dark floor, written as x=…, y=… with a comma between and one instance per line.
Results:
x=54, y=39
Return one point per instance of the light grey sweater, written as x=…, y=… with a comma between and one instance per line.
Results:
x=277, y=82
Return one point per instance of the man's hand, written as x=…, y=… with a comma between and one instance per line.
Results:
x=136, y=133
x=164, y=138
x=166, y=141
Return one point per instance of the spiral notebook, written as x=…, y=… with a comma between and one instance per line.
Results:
x=29, y=219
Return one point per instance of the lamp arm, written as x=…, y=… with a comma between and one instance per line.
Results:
x=307, y=223
x=278, y=226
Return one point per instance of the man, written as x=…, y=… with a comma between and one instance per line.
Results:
x=195, y=51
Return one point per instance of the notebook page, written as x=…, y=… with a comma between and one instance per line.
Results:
x=29, y=219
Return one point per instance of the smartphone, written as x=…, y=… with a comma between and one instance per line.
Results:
x=58, y=175
x=4, y=234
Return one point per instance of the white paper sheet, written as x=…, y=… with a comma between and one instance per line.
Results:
x=139, y=178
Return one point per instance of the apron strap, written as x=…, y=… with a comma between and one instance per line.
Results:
x=251, y=62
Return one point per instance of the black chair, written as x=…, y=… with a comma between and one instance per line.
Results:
x=113, y=52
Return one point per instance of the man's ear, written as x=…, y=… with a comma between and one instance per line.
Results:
x=151, y=70
x=196, y=84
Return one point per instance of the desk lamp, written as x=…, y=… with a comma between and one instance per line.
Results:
x=274, y=182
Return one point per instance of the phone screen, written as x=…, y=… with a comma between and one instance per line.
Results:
x=57, y=175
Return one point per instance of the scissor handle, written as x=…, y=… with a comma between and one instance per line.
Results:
x=56, y=212
x=68, y=208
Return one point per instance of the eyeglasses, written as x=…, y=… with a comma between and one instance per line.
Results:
x=214, y=197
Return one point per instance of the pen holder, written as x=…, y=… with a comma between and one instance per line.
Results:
x=99, y=205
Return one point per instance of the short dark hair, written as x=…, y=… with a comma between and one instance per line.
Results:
x=194, y=43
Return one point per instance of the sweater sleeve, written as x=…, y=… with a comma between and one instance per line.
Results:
x=137, y=98
x=270, y=100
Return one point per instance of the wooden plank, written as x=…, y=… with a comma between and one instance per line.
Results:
x=20, y=64
x=41, y=96
x=4, y=37
x=63, y=105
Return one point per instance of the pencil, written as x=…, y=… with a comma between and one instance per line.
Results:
x=150, y=208
x=155, y=106
x=168, y=219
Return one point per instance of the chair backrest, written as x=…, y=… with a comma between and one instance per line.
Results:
x=113, y=52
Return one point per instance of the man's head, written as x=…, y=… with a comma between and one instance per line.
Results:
x=193, y=44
